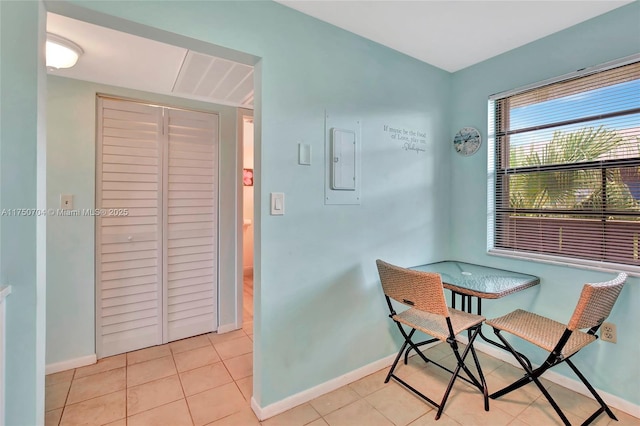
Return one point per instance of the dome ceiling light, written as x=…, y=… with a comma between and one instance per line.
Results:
x=61, y=53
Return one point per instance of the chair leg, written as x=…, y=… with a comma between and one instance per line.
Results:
x=478, y=383
x=417, y=345
x=460, y=361
x=515, y=385
x=412, y=345
x=406, y=347
x=531, y=375
x=485, y=390
x=448, y=391
x=553, y=402
x=393, y=366
x=409, y=345
x=407, y=341
x=603, y=405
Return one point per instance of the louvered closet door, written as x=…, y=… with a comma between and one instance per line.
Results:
x=191, y=231
x=128, y=252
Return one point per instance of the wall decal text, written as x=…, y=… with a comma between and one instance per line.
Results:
x=411, y=140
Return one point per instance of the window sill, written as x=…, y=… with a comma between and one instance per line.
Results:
x=568, y=261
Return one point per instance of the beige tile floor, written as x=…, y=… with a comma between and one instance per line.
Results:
x=207, y=380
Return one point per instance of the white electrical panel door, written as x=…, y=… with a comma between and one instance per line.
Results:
x=343, y=166
x=342, y=150
x=192, y=221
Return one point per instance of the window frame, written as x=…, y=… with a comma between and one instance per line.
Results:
x=494, y=172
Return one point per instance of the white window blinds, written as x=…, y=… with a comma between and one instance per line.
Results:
x=566, y=168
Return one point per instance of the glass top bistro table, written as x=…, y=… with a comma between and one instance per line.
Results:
x=468, y=281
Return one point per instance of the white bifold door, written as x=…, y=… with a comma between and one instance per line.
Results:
x=156, y=228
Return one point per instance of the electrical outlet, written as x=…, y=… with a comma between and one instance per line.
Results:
x=608, y=332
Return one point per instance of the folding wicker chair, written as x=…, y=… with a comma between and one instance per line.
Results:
x=428, y=312
x=560, y=340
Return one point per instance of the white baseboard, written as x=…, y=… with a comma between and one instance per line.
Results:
x=225, y=328
x=92, y=359
x=333, y=384
x=316, y=391
x=70, y=363
x=257, y=410
x=292, y=401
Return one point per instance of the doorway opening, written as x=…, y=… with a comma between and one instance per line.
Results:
x=246, y=142
x=70, y=21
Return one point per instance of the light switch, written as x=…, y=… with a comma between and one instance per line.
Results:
x=304, y=154
x=66, y=201
x=277, y=203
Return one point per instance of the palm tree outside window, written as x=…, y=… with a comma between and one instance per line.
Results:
x=565, y=168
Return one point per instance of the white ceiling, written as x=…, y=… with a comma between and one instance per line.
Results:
x=451, y=35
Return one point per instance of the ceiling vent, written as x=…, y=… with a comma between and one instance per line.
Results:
x=215, y=79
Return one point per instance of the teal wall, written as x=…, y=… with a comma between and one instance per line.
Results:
x=612, y=368
x=71, y=142
x=21, y=263
x=317, y=289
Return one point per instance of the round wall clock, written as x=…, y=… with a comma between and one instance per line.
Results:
x=467, y=141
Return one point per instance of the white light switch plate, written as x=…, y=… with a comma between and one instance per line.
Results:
x=304, y=154
x=277, y=203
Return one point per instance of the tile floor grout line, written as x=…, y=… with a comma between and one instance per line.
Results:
x=184, y=393
x=66, y=398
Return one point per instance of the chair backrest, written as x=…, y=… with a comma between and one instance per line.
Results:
x=596, y=302
x=420, y=290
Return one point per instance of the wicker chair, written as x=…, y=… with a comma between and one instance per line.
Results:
x=428, y=313
x=560, y=340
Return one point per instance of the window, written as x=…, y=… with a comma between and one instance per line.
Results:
x=564, y=169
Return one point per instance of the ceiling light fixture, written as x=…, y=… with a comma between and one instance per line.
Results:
x=61, y=53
